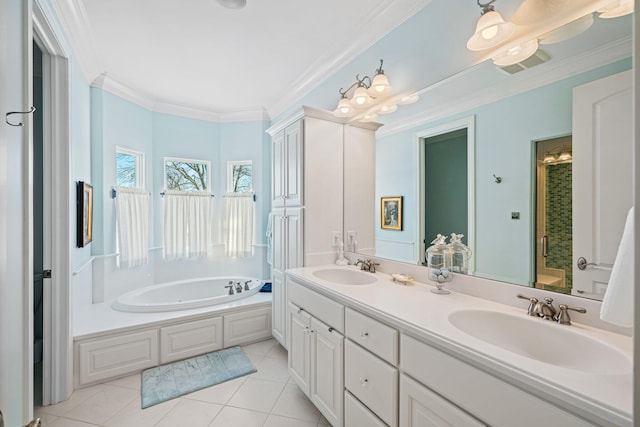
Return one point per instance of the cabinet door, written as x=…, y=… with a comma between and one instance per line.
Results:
x=279, y=307
x=278, y=168
x=299, y=355
x=293, y=146
x=421, y=407
x=327, y=368
x=279, y=239
x=294, y=237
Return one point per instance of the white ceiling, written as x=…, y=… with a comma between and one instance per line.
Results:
x=197, y=54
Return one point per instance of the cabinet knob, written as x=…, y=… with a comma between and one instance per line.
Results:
x=364, y=382
x=364, y=334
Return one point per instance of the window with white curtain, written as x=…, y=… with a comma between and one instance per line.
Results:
x=187, y=174
x=240, y=176
x=129, y=168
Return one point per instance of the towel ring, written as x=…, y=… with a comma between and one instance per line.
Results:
x=10, y=113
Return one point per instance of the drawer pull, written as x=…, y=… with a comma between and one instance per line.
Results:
x=330, y=329
x=364, y=334
x=364, y=382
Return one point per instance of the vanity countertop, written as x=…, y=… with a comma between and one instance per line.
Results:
x=415, y=310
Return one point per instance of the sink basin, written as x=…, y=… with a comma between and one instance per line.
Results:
x=345, y=277
x=542, y=340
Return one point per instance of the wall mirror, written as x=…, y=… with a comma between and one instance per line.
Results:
x=514, y=122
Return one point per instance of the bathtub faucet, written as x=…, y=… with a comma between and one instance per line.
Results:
x=246, y=285
x=238, y=287
x=230, y=286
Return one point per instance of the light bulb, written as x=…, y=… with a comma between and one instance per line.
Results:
x=489, y=32
x=360, y=97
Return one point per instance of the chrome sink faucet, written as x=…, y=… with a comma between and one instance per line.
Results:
x=367, y=265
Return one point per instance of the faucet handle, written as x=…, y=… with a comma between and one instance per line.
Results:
x=532, y=304
x=246, y=285
x=372, y=267
x=563, y=316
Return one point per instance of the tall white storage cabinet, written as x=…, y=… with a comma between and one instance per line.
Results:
x=307, y=195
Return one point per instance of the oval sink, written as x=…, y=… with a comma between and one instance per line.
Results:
x=542, y=340
x=345, y=277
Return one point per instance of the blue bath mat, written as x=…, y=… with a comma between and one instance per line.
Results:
x=166, y=382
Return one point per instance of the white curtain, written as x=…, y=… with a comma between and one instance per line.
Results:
x=187, y=224
x=238, y=224
x=132, y=223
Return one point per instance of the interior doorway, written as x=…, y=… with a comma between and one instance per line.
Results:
x=554, y=220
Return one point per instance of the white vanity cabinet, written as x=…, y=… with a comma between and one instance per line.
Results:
x=316, y=349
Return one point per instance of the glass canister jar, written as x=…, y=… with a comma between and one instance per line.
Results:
x=438, y=257
x=460, y=255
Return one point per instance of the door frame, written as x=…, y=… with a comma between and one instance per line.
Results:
x=57, y=370
x=419, y=153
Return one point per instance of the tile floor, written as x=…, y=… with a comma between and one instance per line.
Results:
x=267, y=398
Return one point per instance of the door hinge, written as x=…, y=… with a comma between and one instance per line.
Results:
x=46, y=274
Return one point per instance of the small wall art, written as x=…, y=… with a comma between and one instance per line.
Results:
x=84, y=203
x=391, y=213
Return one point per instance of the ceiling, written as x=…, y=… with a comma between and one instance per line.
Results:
x=263, y=58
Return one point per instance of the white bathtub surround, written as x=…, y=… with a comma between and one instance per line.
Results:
x=187, y=224
x=132, y=223
x=238, y=224
x=617, y=304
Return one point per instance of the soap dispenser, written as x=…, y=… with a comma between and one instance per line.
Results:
x=460, y=255
x=438, y=257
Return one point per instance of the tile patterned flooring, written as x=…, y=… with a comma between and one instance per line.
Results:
x=267, y=398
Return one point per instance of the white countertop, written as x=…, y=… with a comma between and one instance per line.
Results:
x=414, y=309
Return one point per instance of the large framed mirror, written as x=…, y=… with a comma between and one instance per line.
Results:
x=521, y=214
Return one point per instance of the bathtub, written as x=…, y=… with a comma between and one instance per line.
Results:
x=185, y=294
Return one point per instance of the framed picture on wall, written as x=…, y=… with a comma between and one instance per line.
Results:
x=84, y=203
x=391, y=213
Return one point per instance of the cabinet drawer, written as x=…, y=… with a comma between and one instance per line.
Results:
x=321, y=307
x=190, y=339
x=246, y=327
x=486, y=397
x=104, y=358
x=358, y=415
x=372, y=335
x=373, y=381
x=421, y=407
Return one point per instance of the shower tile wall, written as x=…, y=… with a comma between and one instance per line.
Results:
x=559, y=220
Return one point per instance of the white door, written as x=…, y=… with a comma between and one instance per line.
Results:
x=279, y=308
x=294, y=235
x=299, y=347
x=327, y=369
x=279, y=239
x=16, y=277
x=602, y=177
x=278, y=166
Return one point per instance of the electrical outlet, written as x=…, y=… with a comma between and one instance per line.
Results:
x=337, y=237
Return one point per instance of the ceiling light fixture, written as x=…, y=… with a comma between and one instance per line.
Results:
x=233, y=4
x=491, y=29
x=367, y=97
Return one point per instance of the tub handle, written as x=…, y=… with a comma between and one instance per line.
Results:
x=230, y=288
x=246, y=285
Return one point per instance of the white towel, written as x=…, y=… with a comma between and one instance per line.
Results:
x=132, y=223
x=238, y=224
x=617, y=304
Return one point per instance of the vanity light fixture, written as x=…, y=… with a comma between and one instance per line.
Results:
x=367, y=97
x=558, y=155
x=491, y=29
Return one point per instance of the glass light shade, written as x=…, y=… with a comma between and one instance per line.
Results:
x=360, y=97
x=344, y=108
x=516, y=54
x=616, y=9
x=380, y=86
x=491, y=30
x=567, y=31
x=549, y=158
x=388, y=109
x=564, y=156
x=408, y=99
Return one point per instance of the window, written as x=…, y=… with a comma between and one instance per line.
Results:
x=129, y=168
x=186, y=174
x=240, y=176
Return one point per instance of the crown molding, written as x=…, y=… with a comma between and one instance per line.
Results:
x=113, y=85
x=519, y=83
x=379, y=19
